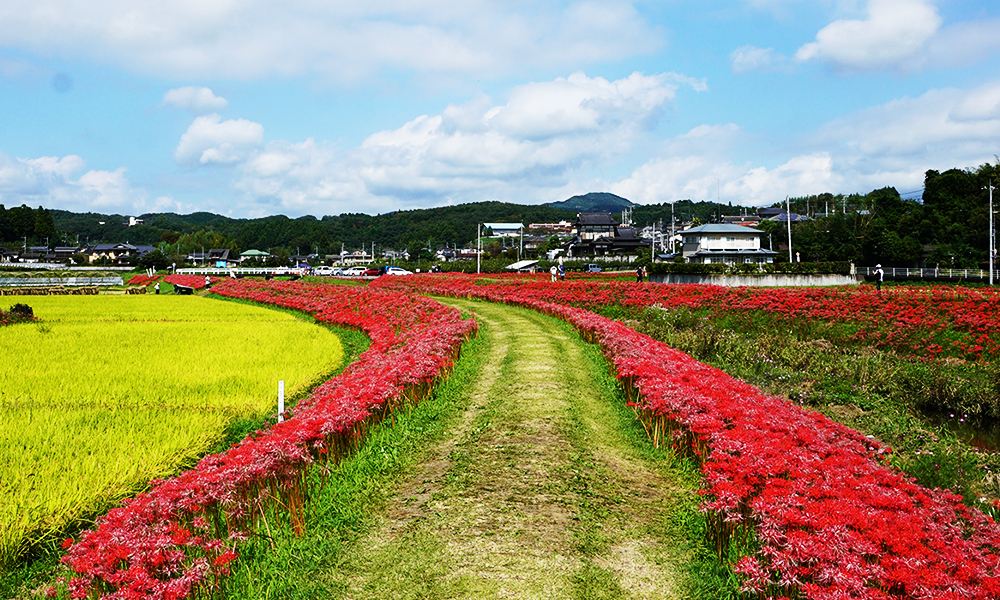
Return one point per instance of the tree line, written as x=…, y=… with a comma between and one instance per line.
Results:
x=946, y=226
x=30, y=226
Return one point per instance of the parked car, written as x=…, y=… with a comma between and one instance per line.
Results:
x=324, y=271
x=357, y=271
x=397, y=271
x=371, y=272
x=591, y=268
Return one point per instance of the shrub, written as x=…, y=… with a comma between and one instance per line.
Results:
x=23, y=310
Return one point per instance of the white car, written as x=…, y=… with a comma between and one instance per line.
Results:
x=397, y=271
x=325, y=271
x=356, y=271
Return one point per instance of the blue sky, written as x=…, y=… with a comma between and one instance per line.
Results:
x=255, y=108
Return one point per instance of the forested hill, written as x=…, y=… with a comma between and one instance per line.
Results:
x=451, y=225
x=594, y=202
x=437, y=226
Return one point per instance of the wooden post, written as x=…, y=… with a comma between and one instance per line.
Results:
x=281, y=400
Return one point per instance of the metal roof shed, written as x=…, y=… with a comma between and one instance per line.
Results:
x=523, y=266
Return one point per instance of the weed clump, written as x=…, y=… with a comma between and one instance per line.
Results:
x=19, y=313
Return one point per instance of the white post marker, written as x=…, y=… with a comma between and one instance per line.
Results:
x=281, y=400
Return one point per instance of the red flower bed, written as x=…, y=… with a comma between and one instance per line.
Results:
x=144, y=279
x=180, y=536
x=927, y=322
x=834, y=521
x=192, y=281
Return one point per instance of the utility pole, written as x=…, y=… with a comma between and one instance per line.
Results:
x=993, y=246
x=479, y=247
x=671, y=227
x=788, y=217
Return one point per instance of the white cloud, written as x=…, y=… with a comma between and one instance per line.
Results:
x=697, y=166
x=198, y=100
x=895, y=33
x=893, y=144
x=965, y=43
x=304, y=178
x=751, y=58
x=544, y=132
x=522, y=150
x=50, y=181
x=982, y=104
x=209, y=140
x=340, y=39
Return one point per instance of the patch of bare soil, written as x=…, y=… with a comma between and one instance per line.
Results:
x=535, y=494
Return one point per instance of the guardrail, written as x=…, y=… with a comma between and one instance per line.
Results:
x=943, y=274
x=59, y=281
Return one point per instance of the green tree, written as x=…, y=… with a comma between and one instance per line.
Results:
x=154, y=259
x=44, y=226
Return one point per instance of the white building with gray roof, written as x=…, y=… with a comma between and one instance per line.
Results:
x=724, y=243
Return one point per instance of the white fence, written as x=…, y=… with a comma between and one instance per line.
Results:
x=930, y=274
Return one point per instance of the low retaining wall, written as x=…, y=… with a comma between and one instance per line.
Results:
x=762, y=280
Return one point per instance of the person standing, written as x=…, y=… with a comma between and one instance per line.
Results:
x=879, y=274
x=208, y=281
x=157, y=287
x=553, y=272
x=639, y=272
x=562, y=273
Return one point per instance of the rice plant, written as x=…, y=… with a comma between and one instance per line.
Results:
x=104, y=393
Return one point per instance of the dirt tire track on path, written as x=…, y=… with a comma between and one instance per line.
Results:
x=534, y=494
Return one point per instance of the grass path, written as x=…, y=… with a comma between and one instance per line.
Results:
x=539, y=489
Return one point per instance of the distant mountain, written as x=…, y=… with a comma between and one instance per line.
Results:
x=594, y=202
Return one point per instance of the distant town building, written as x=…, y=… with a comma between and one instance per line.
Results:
x=751, y=220
x=115, y=253
x=780, y=215
x=724, y=243
x=505, y=229
x=560, y=228
x=599, y=234
x=590, y=226
x=254, y=255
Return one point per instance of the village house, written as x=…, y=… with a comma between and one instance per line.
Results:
x=599, y=234
x=724, y=243
x=114, y=253
x=504, y=229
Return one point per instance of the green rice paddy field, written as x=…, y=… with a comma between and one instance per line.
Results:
x=104, y=393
